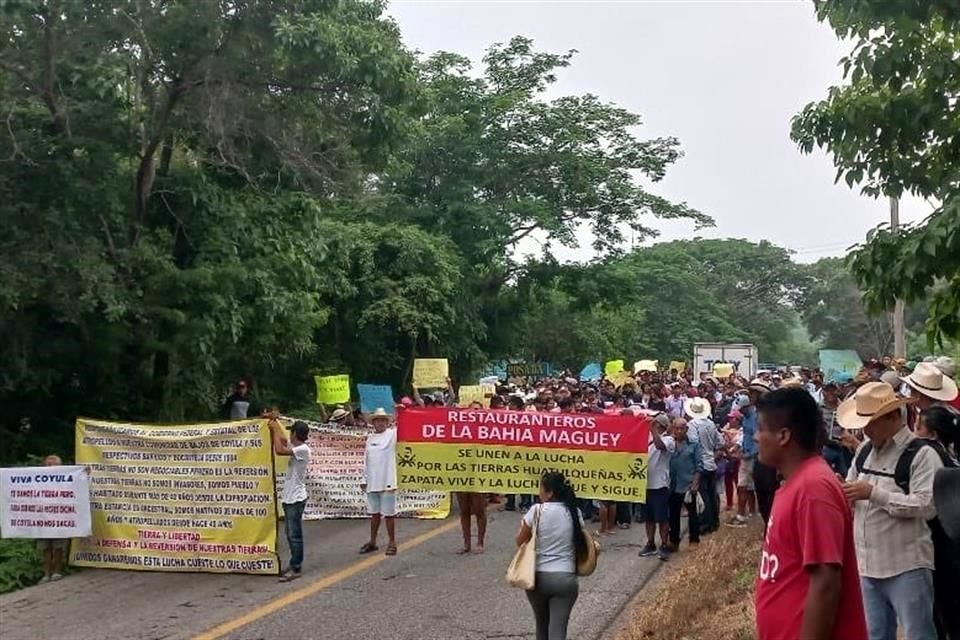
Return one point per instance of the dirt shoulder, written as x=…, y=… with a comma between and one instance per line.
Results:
x=706, y=593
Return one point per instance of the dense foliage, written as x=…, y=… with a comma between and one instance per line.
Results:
x=196, y=191
x=894, y=129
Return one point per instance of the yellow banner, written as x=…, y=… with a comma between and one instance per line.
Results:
x=193, y=497
x=430, y=373
x=604, y=475
x=332, y=389
x=722, y=370
x=613, y=367
x=335, y=475
x=481, y=393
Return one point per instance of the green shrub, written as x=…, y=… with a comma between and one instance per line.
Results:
x=20, y=564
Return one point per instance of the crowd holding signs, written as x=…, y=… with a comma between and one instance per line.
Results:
x=208, y=497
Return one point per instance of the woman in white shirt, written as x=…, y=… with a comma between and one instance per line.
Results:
x=560, y=538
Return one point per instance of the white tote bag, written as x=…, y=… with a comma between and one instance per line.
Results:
x=522, y=572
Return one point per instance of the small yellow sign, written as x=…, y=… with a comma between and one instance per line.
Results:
x=613, y=367
x=333, y=389
x=430, y=373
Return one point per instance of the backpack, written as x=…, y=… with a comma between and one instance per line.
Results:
x=946, y=551
x=901, y=473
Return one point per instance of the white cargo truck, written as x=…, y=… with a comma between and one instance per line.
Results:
x=743, y=357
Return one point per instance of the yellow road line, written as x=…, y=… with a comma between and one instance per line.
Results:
x=319, y=585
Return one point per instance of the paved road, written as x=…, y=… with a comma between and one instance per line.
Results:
x=426, y=592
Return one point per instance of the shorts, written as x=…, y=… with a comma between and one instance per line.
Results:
x=382, y=503
x=53, y=544
x=658, y=505
x=745, y=476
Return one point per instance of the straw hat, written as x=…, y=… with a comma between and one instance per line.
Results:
x=339, y=414
x=697, y=408
x=926, y=379
x=871, y=401
x=792, y=383
x=758, y=385
x=379, y=414
x=946, y=365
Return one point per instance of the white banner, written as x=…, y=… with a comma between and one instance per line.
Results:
x=45, y=502
x=335, y=473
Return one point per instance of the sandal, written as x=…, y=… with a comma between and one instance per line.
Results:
x=391, y=550
x=368, y=547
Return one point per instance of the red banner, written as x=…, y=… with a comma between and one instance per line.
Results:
x=581, y=431
x=490, y=450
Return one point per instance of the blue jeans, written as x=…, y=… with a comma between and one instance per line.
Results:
x=907, y=598
x=293, y=523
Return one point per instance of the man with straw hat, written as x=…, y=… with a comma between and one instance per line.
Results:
x=930, y=385
x=894, y=545
x=380, y=481
x=703, y=432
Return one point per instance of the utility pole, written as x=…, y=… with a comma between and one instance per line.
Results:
x=899, y=340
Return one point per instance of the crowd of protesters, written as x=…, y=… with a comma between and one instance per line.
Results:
x=861, y=525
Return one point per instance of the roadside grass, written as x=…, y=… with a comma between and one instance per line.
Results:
x=20, y=564
x=707, y=595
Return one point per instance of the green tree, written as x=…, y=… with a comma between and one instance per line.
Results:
x=491, y=162
x=171, y=166
x=893, y=128
x=834, y=314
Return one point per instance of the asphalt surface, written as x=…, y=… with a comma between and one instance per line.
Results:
x=425, y=592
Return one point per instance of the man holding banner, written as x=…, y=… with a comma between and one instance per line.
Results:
x=294, y=498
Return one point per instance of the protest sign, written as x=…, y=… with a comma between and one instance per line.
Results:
x=722, y=370
x=333, y=389
x=592, y=372
x=613, y=367
x=44, y=502
x=489, y=380
x=430, y=373
x=839, y=365
x=469, y=393
x=604, y=457
x=335, y=473
x=375, y=396
x=678, y=365
x=535, y=370
x=621, y=378
x=645, y=365
x=190, y=497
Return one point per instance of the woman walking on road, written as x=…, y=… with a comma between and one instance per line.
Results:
x=560, y=538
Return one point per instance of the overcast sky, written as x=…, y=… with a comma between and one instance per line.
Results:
x=723, y=77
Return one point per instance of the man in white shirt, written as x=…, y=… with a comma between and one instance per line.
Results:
x=674, y=402
x=380, y=480
x=657, y=509
x=294, y=495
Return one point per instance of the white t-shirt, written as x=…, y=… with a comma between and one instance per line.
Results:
x=380, y=461
x=555, y=550
x=658, y=463
x=295, y=482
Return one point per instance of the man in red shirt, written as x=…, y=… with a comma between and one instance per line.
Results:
x=809, y=586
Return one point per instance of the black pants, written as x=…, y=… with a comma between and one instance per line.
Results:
x=693, y=519
x=765, y=484
x=711, y=501
x=946, y=583
x=624, y=512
